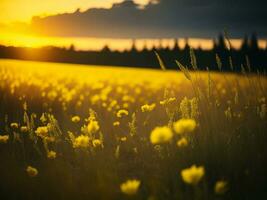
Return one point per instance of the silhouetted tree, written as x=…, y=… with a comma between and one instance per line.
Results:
x=133, y=48
x=254, y=42
x=72, y=47
x=186, y=47
x=145, y=48
x=199, y=48
x=106, y=49
x=245, y=44
x=78, y=10
x=154, y=48
x=176, y=45
x=221, y=42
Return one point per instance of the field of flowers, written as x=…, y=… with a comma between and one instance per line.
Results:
x=76, y=132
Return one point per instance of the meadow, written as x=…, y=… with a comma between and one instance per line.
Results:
x=91, y=132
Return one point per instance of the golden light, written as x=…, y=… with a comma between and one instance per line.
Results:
x=24, y=10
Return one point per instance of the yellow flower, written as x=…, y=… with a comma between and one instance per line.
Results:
x=130, y=187
x=183, y=142
x=4, y=138
x=167, y=101
x=220, y=187
x=123, y=139
x=117, y=123
x=32, y=172
x=75, y=119
x=184, y=126
x=148, y=108
x=42, y=131
x=43, y=118
x=120, y=113
x=97, y=143
x=81, y=141
x=23, y=129
x=49, y=139
x=161, y=135
x=51, y=154
x=193, y=174
x=92, y=126
x=14, y=125
x=125, y=105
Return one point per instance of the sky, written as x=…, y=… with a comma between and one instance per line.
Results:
x=24, y=10
x=103, y=19
x=168, y=18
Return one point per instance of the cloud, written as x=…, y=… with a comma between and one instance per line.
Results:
x=168, y=18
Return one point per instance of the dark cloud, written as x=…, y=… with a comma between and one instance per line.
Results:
x=168, y=18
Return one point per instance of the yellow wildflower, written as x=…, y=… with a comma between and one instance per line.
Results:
x=51, y=154
x=220, y=187
x=32, y=172
x=4, y=138
x=167, y=101
x=123, y=139
x=49, y=139
x=43, y=118
x=193, y=174
x=42, y=131
x=23, y=129
x=184, y=126
x=120, y=113
x=97, y=143
x=14, y=125
x=130, y=187
x=148, y=108
x=75, y=119
x=93, y=126
x=104, y=104
x=117, y=123
x=183, y=142
x=161, y=135
x=125, y=105
x=81, y=141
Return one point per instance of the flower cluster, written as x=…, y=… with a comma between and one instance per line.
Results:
x=4, y=138
x=184, y=126
x=130, y=187
x=75, y=119
x=81, y=141
x=32, y=172
x=193, y=175
x=122, y=113
x=148, y=108
x=42, y=131
x=161, y=135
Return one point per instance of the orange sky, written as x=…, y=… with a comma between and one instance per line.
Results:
x=23, y=10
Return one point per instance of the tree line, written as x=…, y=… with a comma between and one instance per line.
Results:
x=230, y=59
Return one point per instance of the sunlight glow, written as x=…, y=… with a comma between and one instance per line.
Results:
x=84, y=43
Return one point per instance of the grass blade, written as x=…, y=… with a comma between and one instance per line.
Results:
x=161, y=63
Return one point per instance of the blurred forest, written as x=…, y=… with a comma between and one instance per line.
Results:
x=248, y=54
